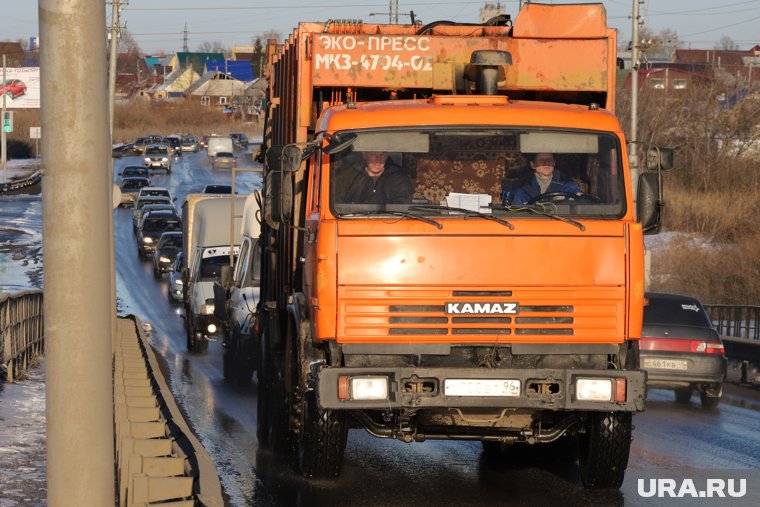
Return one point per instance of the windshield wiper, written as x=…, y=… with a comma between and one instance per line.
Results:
x=538, y=210
x=403, y=214
x=467, y=213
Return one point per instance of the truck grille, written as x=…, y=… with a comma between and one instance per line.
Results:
x=524, y=315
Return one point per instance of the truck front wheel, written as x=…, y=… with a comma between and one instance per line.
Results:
x=323, y=443
x=603, y=449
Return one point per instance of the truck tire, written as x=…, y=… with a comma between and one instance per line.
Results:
x=683, y=394
x=234, y=364
x=323, y=443
x=272, y=426
x=603, y=450
x=190, y=334
x=227, y=366
x=710, y=396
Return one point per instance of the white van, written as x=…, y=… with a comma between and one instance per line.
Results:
x=217, y=144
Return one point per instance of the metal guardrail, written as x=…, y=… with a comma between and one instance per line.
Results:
x=739, y=327
x=21, y=331
x=159, y=460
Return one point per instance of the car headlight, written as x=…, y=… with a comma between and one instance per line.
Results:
x=147, y=159
x=164, y=159
x=164, y=260
x=147, y=240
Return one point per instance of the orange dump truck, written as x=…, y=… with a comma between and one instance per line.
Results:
x=450, y=244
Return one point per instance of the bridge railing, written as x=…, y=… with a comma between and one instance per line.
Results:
x=739, y=327
x=21, y=330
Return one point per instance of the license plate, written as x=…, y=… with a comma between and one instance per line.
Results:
x=665, y=364
x=481, y=387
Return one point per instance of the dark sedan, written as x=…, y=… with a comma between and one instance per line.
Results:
x=152, y=226
x=681, y=350
x=135, y=170
x=169, y=245
x=130, y=187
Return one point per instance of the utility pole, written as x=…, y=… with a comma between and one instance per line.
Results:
x=633, y=157
x=77, y=307
x=3, y=145
x=184, y=40
x=112, y=63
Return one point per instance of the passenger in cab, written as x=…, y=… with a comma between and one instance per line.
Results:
x=545, y=180
x=373, y=178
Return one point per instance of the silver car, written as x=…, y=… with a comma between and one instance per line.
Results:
x=189, y=143
x=158, y=156
x=223, y=160
x=175, y=287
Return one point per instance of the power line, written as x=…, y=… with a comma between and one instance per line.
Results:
x=286, y=7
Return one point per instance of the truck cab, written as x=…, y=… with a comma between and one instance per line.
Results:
x=237, y=296
x=208, y=246
x=459, y=288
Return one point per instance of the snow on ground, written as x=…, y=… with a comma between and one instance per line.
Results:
x=23, y=444
x=18, y=168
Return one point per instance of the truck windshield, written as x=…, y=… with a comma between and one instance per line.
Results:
x=499, y=171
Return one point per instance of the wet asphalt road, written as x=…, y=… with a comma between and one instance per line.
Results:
x=686, y=440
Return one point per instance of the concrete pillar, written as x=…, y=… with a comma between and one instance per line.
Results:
x=77, y=304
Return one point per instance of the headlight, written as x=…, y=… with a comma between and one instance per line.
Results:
x=207, y=309
x=211, y=328
x=147, y=159
x=362, y=388
x=164, y=159
x=594, y=389
x=164, y=260
x=147, y=240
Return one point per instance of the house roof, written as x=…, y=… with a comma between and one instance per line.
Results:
x=125, y=84
x=14, y=52
x=179, y=80
x=242, y=71
x=217, y=84
x=711, y=56
x=197, y=60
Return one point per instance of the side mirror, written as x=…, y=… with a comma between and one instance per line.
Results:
x=648, y=203
x=292, y=156
x=220, y=301
x=225, y=276
x=660, y=159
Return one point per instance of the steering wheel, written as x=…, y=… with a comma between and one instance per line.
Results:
x=561, y=196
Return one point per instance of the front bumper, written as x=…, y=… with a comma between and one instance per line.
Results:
x=202, y=323
x=419, y=388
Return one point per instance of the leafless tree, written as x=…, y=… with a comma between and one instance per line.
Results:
x=212, y=47
x=127, y=42
x=726, y=43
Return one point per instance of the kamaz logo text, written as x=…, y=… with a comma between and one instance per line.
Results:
x=482, y=308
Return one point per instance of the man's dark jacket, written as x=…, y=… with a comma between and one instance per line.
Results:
x=354, y=185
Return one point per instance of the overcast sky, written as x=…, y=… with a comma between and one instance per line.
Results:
x=159, y=25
